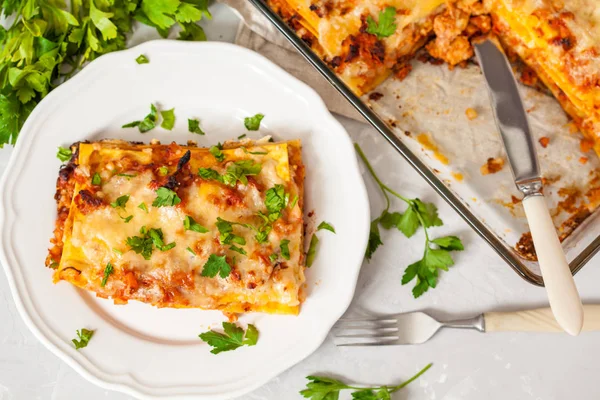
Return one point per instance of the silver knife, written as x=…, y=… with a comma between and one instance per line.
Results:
x=512, y=123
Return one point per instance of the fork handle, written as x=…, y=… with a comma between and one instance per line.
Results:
x=538, y=320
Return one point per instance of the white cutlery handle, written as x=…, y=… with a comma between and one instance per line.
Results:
x=562, y=293
x=540, y=320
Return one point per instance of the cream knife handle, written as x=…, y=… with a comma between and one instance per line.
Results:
x=540, y=320
x=562, y=293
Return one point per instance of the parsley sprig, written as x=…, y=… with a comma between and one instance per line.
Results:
x=149, y=237
x=233, y=337
x=48, y=41
x=436, y=254
x=323, y=388
x=237, y=171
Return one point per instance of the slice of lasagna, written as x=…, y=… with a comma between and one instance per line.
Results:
x=181, y=226
x=365, y=41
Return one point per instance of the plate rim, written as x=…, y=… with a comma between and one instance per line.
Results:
x=15, y=277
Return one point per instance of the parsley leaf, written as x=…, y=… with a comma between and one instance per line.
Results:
x=142, y=59
x=142, y=206
x=449, y=243
x=237, y=249
x=233, y=338
x=164, y=171
x=216, y=265
x=374, y=239
x=194, y=126
x=190, y=250
x=386, y=26
x=208, y=173
x=96, y=179
x=326, y=226
x=312, y=251
x=253, y=123
x=239, y=171
x=107, y=271
x=64, y=154
x=141, y=245
x=190, y=225
x=157, y=239
x=273, y=257
x=147, y=124
x=84, y=336
x=120, y=202
x=276, y=199
x=168, y=117
x=216, y=151
x=165, y=198
x=323, y=388
x=126, y=219
x=242, y=136
x=226, y=233
x=285, y=250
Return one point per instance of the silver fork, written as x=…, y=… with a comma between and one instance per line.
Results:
x=418, y=327
x=408, y=328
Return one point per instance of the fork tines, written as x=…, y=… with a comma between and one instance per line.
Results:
x=366, y=332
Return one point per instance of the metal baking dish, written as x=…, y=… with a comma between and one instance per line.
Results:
x=579, y=247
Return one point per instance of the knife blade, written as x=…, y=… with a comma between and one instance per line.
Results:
x=512, y=123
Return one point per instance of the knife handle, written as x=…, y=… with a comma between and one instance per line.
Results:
x=562, y=293
x=539, y=320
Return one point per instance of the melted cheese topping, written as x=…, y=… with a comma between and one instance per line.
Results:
x=96, y=234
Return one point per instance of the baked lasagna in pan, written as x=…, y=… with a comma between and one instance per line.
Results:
x=365, y=41
x=182, y=226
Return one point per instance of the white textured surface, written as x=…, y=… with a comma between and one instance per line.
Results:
x=467, y=365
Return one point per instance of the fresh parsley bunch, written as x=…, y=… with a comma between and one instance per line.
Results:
x=47, y=42
x=436, y=254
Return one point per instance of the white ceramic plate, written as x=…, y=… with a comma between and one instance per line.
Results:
x=155, y=353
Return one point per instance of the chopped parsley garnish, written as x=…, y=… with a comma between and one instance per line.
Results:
x=128, y=176
x=117, y=251
x=194, y=127
x=323, y=388
x=168, y=117
x=126, y=219
x=84, y=336
x=143, y=244
x=165, y=198
x=253, y=123
x=216, y=151
x=294, y=201
x=190, y=250
x=96, y=179
x=436, y=255
x=64, y=154
x=273, y=257
x=233, y=338
x=191, y=225
x=312, y=250
x=142, y=59
x=254, y=153
x=276, y=199
x=107, y=271
x=242, y=136
x=237, y=171
x=142, y=206
x=163, y=170
x=147, y=124
x=216, y=265
x=285, y=250
x=386, y=26
x=326, y=226
x=226, y=233
x=237, y=249
x=120, y=202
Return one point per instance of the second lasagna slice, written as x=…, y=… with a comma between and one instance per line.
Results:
x=178, y=226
